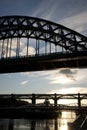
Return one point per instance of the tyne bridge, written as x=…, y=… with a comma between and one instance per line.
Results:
x=34, y=44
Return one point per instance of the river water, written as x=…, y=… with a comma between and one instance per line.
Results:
x=65, y=122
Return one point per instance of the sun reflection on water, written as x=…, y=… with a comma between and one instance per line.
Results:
x=65, y=119
x=64, y=125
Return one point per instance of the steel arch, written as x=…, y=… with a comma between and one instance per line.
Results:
x=31, y=27
x=62, y=47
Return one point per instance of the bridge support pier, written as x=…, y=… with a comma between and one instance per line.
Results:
x=12, y=103
x=55, y=100
x=79, y=101
x=33, y=99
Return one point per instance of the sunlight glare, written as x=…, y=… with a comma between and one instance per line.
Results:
x=67, y=90
x=64, y=114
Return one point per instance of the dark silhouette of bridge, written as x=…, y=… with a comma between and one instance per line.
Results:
x=33, y=44
x=54, y=98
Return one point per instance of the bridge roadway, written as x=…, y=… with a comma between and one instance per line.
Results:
x=51, y=107
x=54, y=108
x=44, y=62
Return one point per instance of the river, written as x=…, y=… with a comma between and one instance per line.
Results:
x=65, y=122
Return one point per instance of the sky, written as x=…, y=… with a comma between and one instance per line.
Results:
x=70, y=13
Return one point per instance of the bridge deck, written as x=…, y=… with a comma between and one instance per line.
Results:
x=43, y=62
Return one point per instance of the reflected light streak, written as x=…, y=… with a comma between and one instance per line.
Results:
x=64, y=114
x=64, y=125
x=66, y=117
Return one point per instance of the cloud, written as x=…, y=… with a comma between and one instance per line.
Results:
x=31, y=51
x=67, y=90
x=24, y=82
x=62, y=80
x=69, y=73
x=60, y=9
x=65, y=12
x=76, y=22
x=44, y=7
x=69, y=77
x=63, y=76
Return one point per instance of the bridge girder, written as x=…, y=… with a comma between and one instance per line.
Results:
x=83, y=96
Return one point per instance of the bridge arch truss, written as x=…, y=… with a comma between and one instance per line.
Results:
x=39, y=44
x=21, y=35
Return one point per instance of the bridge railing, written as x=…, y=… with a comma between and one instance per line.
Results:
x=58, y=54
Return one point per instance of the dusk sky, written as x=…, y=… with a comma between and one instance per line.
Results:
x=69, y=13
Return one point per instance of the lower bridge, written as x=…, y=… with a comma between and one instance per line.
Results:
x=46, y=101
x=44, y=105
